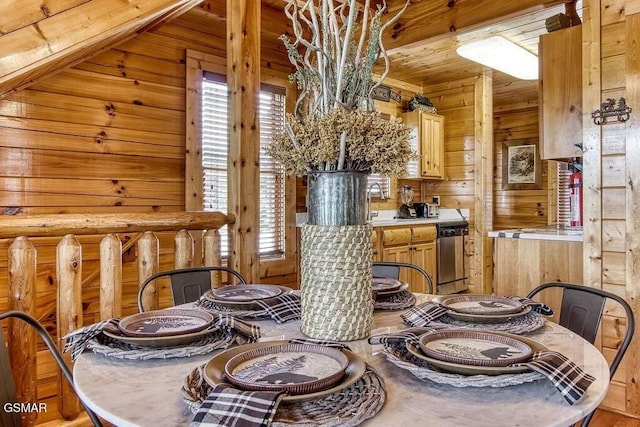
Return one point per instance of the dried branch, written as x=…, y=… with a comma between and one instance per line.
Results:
x=333, y=53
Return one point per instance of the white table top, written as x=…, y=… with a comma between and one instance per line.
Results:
x=147, y=393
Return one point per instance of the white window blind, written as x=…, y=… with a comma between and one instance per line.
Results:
x=272, y=195
x=385, y=184
x=564, y=210
x=215, y=162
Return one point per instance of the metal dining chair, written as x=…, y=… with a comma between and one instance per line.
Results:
x=391, y=270
x=581, y=312
x=187, y=284
x=7, y=386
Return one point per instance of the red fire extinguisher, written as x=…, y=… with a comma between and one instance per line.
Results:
x=575, y=197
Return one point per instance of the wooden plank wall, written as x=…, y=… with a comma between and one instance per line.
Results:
x=455, y=101
x=108, y=135
x=515, y=116
x=610, y=70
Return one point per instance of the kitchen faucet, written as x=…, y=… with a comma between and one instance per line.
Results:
x=370, y=214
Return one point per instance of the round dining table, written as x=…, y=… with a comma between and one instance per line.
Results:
x=148, y=392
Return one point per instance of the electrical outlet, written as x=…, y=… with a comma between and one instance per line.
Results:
x=436, y=200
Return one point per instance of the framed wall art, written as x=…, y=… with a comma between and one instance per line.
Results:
x=521, y=165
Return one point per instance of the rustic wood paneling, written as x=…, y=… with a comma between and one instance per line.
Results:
x=457, y=188
x=108, y=135
x=517, y=208
x=632, y=201
x=45, y=46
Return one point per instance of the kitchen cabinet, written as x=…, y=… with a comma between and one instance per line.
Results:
x=377, y=254
x=428, y=141
x=415, y=245
x=560, y=88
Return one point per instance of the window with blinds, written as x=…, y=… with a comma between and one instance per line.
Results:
x=564, y=210
x=385, y=184
x=215, y=160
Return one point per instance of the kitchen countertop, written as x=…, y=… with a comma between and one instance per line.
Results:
x=551, y=232
x=388, y=218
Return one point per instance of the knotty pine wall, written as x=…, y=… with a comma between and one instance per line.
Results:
x=455, y=101
x=108, y=135
x=515, y=117
x=611, y=69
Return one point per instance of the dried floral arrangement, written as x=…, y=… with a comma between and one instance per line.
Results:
x=335, y=125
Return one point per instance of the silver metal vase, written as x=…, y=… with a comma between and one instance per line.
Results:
x=337, y=198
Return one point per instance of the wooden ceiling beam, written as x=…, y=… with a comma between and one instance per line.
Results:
x=49, y=45
x=426, y=19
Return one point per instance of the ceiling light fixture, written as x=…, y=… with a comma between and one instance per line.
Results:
x=502, y=55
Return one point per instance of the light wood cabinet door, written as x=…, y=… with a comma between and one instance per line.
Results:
x=427, y=139
x=432, y=146
x=400, y=254
x=424, y=255
x=560, y=88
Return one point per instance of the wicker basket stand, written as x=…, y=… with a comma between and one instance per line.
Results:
x=335, y=282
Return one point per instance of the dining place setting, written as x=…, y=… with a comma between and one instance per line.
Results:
x=161, y=334
x=477, y=341
x=391, y=294
x=287, y=382
x=239, y=355
x=306, y=380
x=253, y=301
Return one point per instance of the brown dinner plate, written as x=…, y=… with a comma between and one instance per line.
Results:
x=292, y=368
x=488, y=318
x=162, y=323
x=245, y=293
x=214, y=371
x=457, y=368
x=168, y=341
x=242, y=305
x=481, y=304
x=383, y=284
x=403, y=287
x=478, y=348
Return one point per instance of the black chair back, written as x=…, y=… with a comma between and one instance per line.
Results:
x=581, y=312
x=391, y=270
x=7, y=388
x=187, y=284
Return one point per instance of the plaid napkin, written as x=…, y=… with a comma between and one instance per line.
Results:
x=422, y=314
x=76, y=340
x=570, y=380
x=536, y=306
x=230, y=407
x=282, y=308
x=399, y=337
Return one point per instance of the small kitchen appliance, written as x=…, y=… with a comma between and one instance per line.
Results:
x=421, y=210
x=406, y=211
x=432, y=210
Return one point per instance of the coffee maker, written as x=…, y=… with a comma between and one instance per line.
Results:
x=406, y=210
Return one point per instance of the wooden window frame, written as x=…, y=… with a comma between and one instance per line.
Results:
x=196, y=64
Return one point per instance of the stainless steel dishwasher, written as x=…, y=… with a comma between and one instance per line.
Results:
x=452, y=272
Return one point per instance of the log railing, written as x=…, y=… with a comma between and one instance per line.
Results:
x=22, y=268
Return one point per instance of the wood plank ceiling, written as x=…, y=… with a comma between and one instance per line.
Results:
x=422, y=44
x=39, y=41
